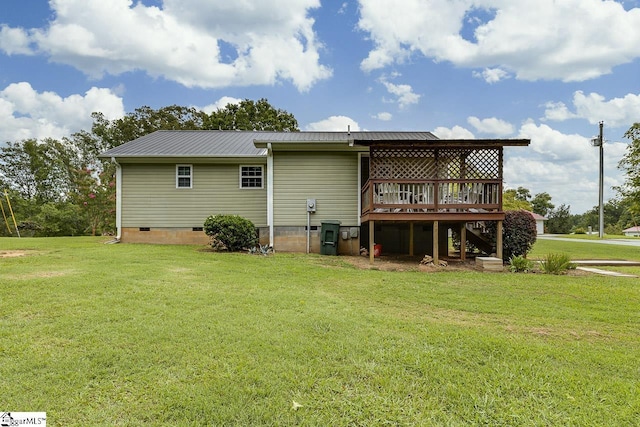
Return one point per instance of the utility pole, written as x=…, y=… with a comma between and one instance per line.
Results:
x=601, y=189
x=598, y=141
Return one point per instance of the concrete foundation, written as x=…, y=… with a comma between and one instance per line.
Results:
x=286, y=239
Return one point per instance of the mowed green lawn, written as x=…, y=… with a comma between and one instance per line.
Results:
x=126, y=334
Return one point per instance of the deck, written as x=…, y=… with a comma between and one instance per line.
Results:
x=432, y=200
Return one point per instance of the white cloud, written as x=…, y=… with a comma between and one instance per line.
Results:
x=570, y=40
x=564, y=165
x=30, y=114
x=456, y=132
x=554, y=145
x=197, y=43
x=220, y=104
x=558, y=111
x=14, y=41
x=404, y=93
x=383, y=116
x=595, y=108
x=491, y=126
x=334, y=123
x=491, y=75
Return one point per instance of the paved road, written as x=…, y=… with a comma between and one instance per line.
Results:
x=623, y=242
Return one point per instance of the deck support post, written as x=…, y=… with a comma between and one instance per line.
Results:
x=372, y=229
x=499, y=240
x=436, y=249
x=411, y=239
x=463, y=241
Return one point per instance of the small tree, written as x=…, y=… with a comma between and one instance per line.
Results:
x=560, y=220
x=230, y=232
x=513, y=200
x=518, y=233
x=541, y=204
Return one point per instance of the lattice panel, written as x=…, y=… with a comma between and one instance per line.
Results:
x=398, y=163
x=483, y=164
x=424, y=163
x=450, y=164
x=469, y=164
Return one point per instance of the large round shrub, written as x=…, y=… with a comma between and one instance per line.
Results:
x=519, y=233
x=230, y=232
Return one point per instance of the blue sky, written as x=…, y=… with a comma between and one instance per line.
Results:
x=548, y=70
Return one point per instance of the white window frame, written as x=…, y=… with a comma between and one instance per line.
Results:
x=262, y=177
x=178, y=176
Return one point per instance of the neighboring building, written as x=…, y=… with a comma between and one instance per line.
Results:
x=632, y=231
x=539, y=222
x=397, y=189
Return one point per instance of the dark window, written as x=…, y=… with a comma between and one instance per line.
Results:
x=251, y=177
x=184, y=175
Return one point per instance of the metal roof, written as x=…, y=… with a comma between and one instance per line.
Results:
x=343, y=137
x=216, y=143
x=187, y=143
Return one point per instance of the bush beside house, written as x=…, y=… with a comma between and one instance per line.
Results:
x=230, y=232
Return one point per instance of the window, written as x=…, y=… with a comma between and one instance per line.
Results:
x=184, y=176
x=251, y=177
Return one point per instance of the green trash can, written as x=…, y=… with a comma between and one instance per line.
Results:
x=329, y=234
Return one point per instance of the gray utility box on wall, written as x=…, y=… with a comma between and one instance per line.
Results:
x=329, y=234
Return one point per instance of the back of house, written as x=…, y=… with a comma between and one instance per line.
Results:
x=396, y=189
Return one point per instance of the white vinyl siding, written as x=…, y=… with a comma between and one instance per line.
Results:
x=150, y=197
x=330, y=178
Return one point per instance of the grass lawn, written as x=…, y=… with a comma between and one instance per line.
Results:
x=580, y=249
x=127, y=334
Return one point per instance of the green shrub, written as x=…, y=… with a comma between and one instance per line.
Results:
x=613, y=230
x=519, y=233
x=519, y=264
x=557, y=263
x=579, y=230
x=230, y=232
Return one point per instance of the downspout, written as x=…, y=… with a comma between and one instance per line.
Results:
x=270, y=193
x=118, y=198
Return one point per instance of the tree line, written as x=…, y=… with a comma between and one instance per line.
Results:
x=619, y=213
x=61, y=187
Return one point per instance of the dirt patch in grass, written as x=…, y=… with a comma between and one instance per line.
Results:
x=39, y=275
x=13, y=254
x=407, y=263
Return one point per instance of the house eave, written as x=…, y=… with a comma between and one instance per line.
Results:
x=346, y=145
x=439, y=143
x=189, y=159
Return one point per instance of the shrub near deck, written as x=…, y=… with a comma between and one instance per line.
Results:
x=99, y=334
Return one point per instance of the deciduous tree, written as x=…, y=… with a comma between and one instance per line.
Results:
x=541, y=204
x=512, y=202
x=252, y=115
x=630, y=164
x=38, y=170
x=560, y=220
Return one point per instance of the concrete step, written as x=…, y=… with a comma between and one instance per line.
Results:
x=489, y=263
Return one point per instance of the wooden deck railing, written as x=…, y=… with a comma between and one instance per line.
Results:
x=454, y=195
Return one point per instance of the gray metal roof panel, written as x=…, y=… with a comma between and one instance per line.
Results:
x=189, y=144
x=313, y=136
x=215, y=143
